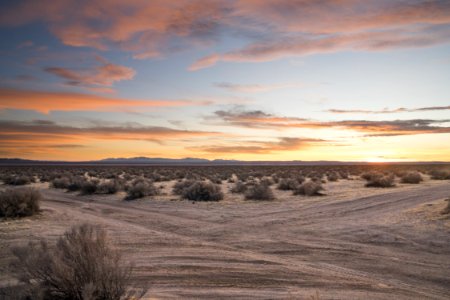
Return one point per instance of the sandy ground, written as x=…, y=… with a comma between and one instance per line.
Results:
x=354, y=243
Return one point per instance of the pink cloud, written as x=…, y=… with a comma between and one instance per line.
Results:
x=45, y=102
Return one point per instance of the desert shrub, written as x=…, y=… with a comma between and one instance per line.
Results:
x=180, y=186
x=439, y=175
x=19, y=202
x=203, y=191
x=259, y=191
x=309, y=188
x=76, y=183
x=18, y=180
x=82, y=265
x=89, y=187
x=381, y=180
x=333, y=176
x=412, y=177
x=109, y=187
x=239, y=187
x=369, y=175
x=140, y=188
x=60, y=183
x=286, y=184
x=267, y=181
x=215, y=179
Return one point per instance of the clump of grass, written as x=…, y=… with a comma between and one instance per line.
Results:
x=140, y=188
x=412, y=177
x=16, y=203
x=202, y=191
x=82, y=265
x=376, y=179
x=259, y=191
x=309, y=188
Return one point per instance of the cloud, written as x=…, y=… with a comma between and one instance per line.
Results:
x=47, y=134
x=254, y=118
x=260, y=147
x=45, y=102
x=262, y=51
x=254, y=88
x=103, y=75
x=274, y=28
x=263, y=120
x=204, y=62
x=145, y=28
x=388, y=111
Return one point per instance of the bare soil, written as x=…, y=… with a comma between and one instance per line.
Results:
x=354, y=243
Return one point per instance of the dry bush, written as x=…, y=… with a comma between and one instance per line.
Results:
x=109, y=187
x=82, y=265
x=140, y=188
x=203, y=191
x=440, y=175
x=309, y=188
x=89, y=187
x=17, y=180
x=239, y=187
x=287, y=184
x=60, y=183
x=412, y=177
x=259, y=191
x=180, y=186
x=369, y=175
x=267, y=181
x=381, y=180
x=333, y=176
x=19, y=202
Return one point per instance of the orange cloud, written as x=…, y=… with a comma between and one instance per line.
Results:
x=306, y=45
x=45, y=102
x=388, y=111
x=275, y=28
x=103, y=75
x=18, y=137
x=146, y=28
x=262, y=120
x=336, y=16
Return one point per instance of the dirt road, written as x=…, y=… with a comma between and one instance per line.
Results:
x=384, y=246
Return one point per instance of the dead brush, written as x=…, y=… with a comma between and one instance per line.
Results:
x=140, y=188
x=82, y=265
x=238, y=188
x=309, y=188
x=412, y=178
x=377, y=179
x=21, y=202
x=203, y=191
x=259, y=191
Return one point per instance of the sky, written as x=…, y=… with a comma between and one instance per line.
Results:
x=275, y=80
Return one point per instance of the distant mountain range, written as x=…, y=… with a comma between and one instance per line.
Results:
x=186, y=161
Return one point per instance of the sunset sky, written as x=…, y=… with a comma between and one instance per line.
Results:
x=231, y=79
